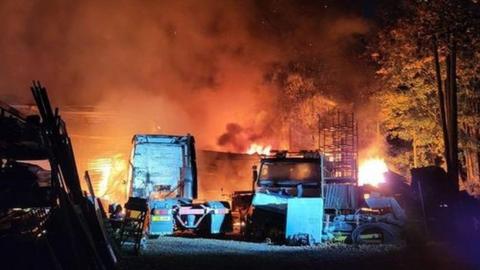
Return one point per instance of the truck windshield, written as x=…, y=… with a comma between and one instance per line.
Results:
x=287, y=173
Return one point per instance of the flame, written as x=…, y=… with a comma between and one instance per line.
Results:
x=106, y=170
x=372, y=172
x=259, y=149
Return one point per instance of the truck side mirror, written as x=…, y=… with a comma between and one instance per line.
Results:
x=254, y=176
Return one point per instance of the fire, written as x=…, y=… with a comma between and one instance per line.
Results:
x=372, y=172
x=259, y=149
x=105, y=171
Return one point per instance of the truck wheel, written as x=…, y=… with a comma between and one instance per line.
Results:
x=376, y=233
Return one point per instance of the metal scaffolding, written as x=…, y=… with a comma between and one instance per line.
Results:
x=337, y=139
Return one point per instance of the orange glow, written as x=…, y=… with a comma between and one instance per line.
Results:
x=105, y=171
x=259, y=149
x=372, y=172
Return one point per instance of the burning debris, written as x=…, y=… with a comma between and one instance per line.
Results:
x=372, y=172
x=259, y=149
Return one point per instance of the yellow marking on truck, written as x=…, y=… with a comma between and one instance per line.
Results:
x=160, y=218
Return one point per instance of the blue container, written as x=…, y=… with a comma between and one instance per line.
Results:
x=304, y=220
x=218, y=216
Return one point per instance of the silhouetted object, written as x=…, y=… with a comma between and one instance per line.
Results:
x=67, y=231
x=449, y=215
x=448, y=106
x=133, y=225
x=116, y=217
x=24, y=185
x=435, y=196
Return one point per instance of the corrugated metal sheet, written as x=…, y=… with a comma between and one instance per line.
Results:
x=339, y=196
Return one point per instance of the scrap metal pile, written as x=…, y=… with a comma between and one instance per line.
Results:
x=46, y=220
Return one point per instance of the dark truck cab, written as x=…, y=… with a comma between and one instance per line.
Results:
x=287, y=203
x=293, y=177
x=296, y=201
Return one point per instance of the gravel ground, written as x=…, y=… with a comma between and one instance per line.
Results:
x=197, y=253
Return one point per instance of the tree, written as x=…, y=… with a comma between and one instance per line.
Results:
x=304, y=90
x=409, y=101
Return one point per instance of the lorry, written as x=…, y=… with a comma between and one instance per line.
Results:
x=287, y=201
x=295, y=200
x=163, y=170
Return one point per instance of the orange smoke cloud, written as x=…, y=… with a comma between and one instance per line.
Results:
x=209, y=68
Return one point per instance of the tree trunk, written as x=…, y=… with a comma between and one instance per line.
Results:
x=453, y=114
x=441, y=99
x=448, y=109
x=415, y=165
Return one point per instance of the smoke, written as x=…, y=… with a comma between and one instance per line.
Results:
x=239, y=138
x=176, y=67
x=236, y=136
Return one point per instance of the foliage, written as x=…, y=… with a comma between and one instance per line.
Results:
x=303, y=91
x=304, y=99
x=408, y=98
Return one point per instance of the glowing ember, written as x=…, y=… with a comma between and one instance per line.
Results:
x=259, y=149
x=372, y=172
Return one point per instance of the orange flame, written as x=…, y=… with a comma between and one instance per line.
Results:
x=105, y=171
x=372, y=172
x=259, y=149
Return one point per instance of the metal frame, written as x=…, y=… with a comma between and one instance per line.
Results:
x=337, y=140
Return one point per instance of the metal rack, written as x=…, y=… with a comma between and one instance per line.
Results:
x=337, y=140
